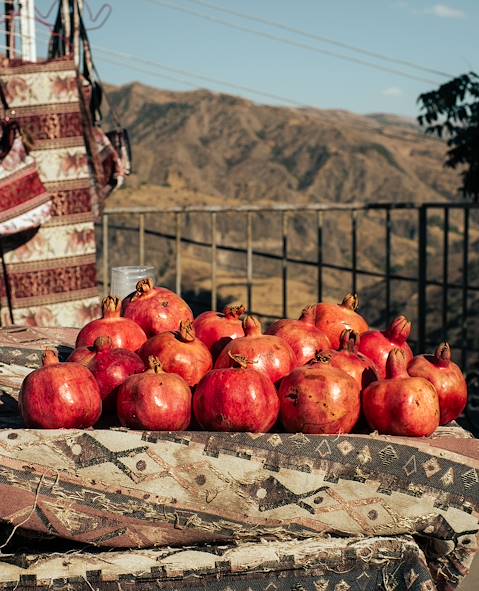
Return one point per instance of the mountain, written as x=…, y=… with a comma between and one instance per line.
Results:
x=222, y=145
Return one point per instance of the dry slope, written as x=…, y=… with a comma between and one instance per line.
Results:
x=223, y=145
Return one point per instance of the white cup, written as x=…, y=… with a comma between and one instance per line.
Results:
x=124, y=279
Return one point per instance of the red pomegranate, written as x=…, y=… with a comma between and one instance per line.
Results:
x=110, y=366
x=180, y=352
x=347, y=358
x=83, y=355
x=154, y=400
x=319, y=398
x=301, y=335
x=377, y=344
x=155, y=309
x=216, y=330
x=238, y=398
x=401, y=404
x=124, y=333
x=268, y=353
x=60, y=396
x=332, y=319
x=446, y=377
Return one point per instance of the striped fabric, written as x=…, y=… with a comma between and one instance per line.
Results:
x=24, y=201
x=51, y=274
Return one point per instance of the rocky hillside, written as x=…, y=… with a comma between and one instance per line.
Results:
x=224, y=145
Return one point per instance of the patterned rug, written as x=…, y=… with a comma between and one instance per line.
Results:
x=312, y=565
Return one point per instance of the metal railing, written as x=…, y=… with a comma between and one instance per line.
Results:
x=444, y=239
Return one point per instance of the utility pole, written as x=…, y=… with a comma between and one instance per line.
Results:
x=27, y=28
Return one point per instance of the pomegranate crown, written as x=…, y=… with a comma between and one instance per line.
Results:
x=443, y=353
x=234, y=311
x=240, y=360
x=251, y=326
x=349, y=340
x=142, y=287
x=155, y=364
x=103, y=343
x=110, y=306
x=350, y=301
x=186, y=331
x=399, y=330
x=396, y=364
x=322, y=357
x=308, y=314
x=49, y=357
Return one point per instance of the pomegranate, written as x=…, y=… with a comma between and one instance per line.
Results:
x=237, y=398
x=60, y=396
x=319, y=398
x=180, y=352
x=401, y=404
x=82, y=355
x=377, y=344
x=216, y=330
x=332, y=319
x=347, y=358
x=124, y=333
x=301, y=335
x=154, y=400
x=269, y=354
x=446, y=377
x=155, y=309
x=110, y=366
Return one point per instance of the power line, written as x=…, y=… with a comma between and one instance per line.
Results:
x=320, y=38
x=157, y=65
x=118, y=58
x=121, y=59
x=135, y=68
x=287, y=41
x=198, y=76
x=145, y=71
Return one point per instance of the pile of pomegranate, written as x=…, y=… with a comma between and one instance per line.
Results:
x=149, y=364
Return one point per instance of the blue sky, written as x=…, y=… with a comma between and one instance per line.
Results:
x=437, y=35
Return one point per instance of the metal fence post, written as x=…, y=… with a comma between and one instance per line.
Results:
x=465, y=288
x=422, y=280
x=214, y=298
x=354, y=252
x=249, y=261
x=319, y=260
x=178, y=253
x=388, y=266
x=105, y=239
x=445, y=273
x=284, y=231
x=141, y=241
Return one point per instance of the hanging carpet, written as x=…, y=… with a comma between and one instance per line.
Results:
x=51, y=272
